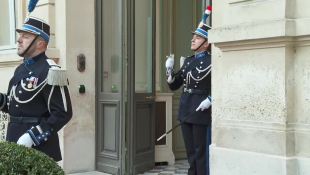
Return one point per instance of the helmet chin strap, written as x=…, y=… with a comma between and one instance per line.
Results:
x=22, y=55
x=200, y=45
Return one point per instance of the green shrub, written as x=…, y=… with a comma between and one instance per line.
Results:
x=19, y=160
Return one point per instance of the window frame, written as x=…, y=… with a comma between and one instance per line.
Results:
x=12, y=15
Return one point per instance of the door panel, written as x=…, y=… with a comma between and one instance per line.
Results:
x=144, y=129
x=109, y=53
x=141, y=84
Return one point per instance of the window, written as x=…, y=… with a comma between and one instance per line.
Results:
x=7, y=24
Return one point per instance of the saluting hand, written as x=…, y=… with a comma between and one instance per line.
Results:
x=170, y=61
x=25, y=140
x=204, y=105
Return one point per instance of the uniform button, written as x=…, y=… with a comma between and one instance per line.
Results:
x=187, y=63
x=27, y=79
x=20, y=92
x=184, y=79
x=197, y=82
x=195, y=86
x=198, y=77
x=201, y=62
x=200, y=67
x=185, y=66
x=17, y=98
x=39, y=137
x=43, y=136
x=30, y=73
x=46, y=133
x=183, y=70
x=17, y=106
x=24, y=84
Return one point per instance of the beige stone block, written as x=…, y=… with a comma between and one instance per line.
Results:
x=302, y=88
x=245, y=11
x=303, y=167
x=303, y=144
x=257, y=139
x=302, y=9
x=302, y=26
x=251, y=31
x=251, y=86
x=232, y=162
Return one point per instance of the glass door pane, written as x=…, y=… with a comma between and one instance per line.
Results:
x=143, y=46
x=111, y=46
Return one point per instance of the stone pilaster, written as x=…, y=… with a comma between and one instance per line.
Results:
x=261, y=87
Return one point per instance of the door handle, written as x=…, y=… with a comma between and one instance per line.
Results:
x=150, y=97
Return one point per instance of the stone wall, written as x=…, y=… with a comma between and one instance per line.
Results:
x=72, y=33
x=260, y=87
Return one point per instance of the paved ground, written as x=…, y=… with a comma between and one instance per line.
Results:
x=180, y=168
x=90, y=173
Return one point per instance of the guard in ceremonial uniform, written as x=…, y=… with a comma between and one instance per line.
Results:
x=195, y=77
x=37, y=99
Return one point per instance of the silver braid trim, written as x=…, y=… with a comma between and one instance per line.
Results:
x=49, y=99
x=189, y=75
x=62, y=90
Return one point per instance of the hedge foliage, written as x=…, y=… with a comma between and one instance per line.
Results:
x=19, y=160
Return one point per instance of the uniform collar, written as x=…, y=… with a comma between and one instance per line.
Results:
x=201, y=54
x=33, y=59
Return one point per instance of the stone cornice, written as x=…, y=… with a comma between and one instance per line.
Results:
x=262, y=35
x=264, y=43
x=290, y=127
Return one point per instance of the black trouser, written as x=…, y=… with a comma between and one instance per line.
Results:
x=195, y=143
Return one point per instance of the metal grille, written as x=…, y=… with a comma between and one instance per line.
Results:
x=4, y=120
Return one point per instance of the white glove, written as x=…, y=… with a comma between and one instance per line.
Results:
x=170, y=61
x=204, y=105
x=170, y=79
x=25, y=140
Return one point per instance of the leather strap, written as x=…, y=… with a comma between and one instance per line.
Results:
x=24, y=119
x=197, y=91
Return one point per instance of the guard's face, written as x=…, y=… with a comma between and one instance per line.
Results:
x=23, y=41
x=197, y=41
